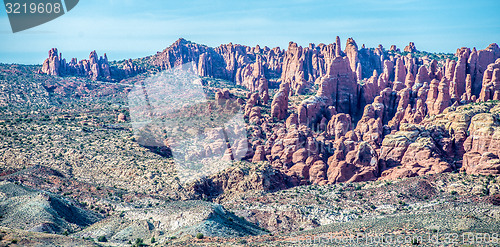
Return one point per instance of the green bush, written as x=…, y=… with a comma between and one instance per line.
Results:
x=139, y=242
x=199, y=235
x=102, y=239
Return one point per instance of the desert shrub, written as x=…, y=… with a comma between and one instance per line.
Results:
x=102, y=239
x=139, y=242
x=199, y=235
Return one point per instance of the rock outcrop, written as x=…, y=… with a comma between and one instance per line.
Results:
x=95, y=68
x=339, y=87
x=491, y=82
x=410, y=48
x=482, y=147
x=400, y=73
x=360, y=164
x=413, y=151
x=252, y=77
x=279, y=105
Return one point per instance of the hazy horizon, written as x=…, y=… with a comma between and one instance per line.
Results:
x=132, y=29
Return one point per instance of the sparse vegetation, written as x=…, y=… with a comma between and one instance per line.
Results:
x=139, y=242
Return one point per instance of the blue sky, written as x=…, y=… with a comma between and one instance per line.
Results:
x=136, y=28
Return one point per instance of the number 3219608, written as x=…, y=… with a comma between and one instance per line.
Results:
x=33, y=8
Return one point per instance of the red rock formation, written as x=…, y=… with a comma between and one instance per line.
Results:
x=351, y=51
x=370, y=127
x=450, y=69
x=443, y=100
x=411, y=152
x=253, y=100
x=338, y=49
x=129, y=69
x=404, y=123
x=279, y=105
x=339, y=87
x=410, y=80
x=480, y=62
x=223, y=96
x=416, y=114
x=400, y=73
x=403, y=104
x=371, y=88
x=467, y=96
x=311, y=110
x=422, y=75
x=482, y=146
x=491, y=83
x=411, y=64
x=360, y=164
x=51, y=64
x=292, y=120
x=292, y=146
x=318, y=173
x=410, y=48
x=388, y=71
x=294, y=68
x=252, y=77
x=359, y=73
x=421, y=158
x=260, y=154
x=457, y=88
x=95, y=68
x=432, y=95
x=339, y=125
